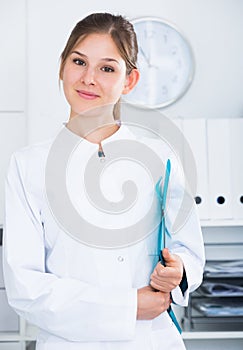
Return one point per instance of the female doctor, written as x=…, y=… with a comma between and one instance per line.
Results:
x=83, y=296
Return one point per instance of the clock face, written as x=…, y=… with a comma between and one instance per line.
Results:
x=165, y=62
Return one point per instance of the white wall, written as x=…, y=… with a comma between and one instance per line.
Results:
x=12, y=84
x=213, y=27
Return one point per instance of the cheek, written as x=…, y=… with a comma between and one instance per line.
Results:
x=69, y=76
x=117, y=85
x=68, y=81
x=67, y=85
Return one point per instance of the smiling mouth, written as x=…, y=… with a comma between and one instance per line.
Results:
x=87, y=95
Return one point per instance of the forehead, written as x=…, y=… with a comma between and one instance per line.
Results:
x=97, y=42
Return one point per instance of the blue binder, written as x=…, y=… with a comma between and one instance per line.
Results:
x=163, y=231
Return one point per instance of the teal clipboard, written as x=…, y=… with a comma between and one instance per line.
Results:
x=163, y=232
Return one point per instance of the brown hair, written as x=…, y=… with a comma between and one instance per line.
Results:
x=120, y=29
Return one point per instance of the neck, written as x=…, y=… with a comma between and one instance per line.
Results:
x=98, y=135
x=93, y=127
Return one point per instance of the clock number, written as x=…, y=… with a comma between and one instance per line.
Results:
x=174, y=50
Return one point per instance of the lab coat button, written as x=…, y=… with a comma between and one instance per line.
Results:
x=120, y=258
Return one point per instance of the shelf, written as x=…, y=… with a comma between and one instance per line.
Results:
x=27, y=332
x=9, y=337
x=212, y=335
x=221, y=223
x=12, y=337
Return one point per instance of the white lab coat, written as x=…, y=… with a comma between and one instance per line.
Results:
x=82, y=297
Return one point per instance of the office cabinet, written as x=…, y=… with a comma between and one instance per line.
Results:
x=15, y=332
x=223, y=244
x=1, y=270
x=221, y=212
x=9, y=321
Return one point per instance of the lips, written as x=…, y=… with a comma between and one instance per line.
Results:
x=87, y=94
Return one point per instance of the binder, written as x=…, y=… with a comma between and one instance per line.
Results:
x=195, y=133
x=219, y=168
x=236, y=147
x=163, y=231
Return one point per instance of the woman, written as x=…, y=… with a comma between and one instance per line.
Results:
x=83, y=296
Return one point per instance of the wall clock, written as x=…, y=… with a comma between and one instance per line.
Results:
x=165, y=61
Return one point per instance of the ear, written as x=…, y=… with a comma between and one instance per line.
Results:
x=131, y=81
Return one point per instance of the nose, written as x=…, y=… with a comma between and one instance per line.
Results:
x=88, y=76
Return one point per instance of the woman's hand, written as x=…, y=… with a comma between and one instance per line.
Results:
x=166, y=278
x=151, y=303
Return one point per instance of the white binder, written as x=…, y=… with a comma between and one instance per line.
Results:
x=219, y=168
x=195, y=133
x=236, y=148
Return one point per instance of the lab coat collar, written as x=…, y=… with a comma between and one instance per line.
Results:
x=124, y=132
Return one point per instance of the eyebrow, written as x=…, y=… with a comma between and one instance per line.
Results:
x=107, y=59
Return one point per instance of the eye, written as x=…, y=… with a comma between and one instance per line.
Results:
x=107, y=69
x=79, y=62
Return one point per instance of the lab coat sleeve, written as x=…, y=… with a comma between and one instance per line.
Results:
x=65, y=307
x=186, y=236
x=189, y=246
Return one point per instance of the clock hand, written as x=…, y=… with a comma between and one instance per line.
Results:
x=145, y=57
